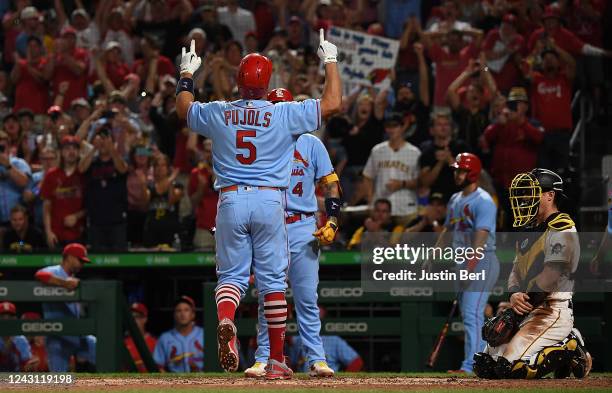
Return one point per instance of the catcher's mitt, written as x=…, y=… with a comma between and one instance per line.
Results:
x=500, y=329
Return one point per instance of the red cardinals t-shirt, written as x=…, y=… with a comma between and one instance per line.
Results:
x=30, y=92
x=448, y=68
x=164, y=67
x=551, y=101
x=515, y=149
x=206, y=211
x=66, y=196
x=78, y=83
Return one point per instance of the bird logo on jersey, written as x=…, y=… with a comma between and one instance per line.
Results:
x=297, y=158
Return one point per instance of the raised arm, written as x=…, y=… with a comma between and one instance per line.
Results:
x=332, y=90
x=190, y=62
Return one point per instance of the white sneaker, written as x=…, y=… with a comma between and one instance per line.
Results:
x=258, y=370
x=321, y=369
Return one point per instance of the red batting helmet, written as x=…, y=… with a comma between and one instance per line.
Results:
x=280, y=94
x=469, y=162
x=253, y=76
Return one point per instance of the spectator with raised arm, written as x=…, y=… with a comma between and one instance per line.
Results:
x=31, y=85
x=471, y=115
x=62, y=191
x=551, y=97
x=14, y=177
x=105, y=193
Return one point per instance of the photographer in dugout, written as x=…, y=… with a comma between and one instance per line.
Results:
x=536, y=337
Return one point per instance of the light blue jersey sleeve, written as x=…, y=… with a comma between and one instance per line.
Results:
x=484, y=215
x=23, y=347
x=199, y=117
x=21, y=165
x=344, y=353
x=610, y=221
x=160, y=353
x=300, y=117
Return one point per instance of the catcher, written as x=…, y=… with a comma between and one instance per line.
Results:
x=535, y=336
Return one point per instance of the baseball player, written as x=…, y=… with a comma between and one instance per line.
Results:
x=60, y=348
x=140, y=312
x=253, y=143
x=311, y=166
x=471, y=219
x=541, y=290
x=181, y=350
x=15, y=352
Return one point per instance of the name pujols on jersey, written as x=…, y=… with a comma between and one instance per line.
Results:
x=247, y=117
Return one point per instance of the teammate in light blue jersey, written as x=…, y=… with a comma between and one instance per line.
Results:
x=181, y=349
x=471, y=220
x=311, y=166
x=252, y=149
x=60, y=348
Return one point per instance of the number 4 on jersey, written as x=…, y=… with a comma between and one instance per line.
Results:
x=297, y=190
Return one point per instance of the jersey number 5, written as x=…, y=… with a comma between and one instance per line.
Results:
x=242, y=144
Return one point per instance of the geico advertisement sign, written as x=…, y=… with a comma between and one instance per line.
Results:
x=52, y=291
x=411, y=291
x=38, y=327
x=346, y=327
x=341, y=292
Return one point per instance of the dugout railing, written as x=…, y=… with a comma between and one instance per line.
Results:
x=422, y=313
x=107, y=317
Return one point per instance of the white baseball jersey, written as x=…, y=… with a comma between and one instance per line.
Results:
x=385, y=164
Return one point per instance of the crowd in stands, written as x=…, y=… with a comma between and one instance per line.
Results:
x=91, y=148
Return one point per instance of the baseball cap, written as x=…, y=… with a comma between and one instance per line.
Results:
x=25, y=112
x=68, y=30
x=54, y=109
x=551, y=11
x=295, y=19
x=79, y=12
x=31, y=315
x=185, y=299
x=438, y=196
x=8, y=308
x=394, y=119
x=324, y=2
x=116, y=96
x=28, y=12
x=80, y=102
x=70, y=140
x=510, y=19
x=139, y=308
x=75, y=249
x=112, y=45
x=250, y=34
x=518, y=94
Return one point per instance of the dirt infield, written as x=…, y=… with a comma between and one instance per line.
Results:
x=342, y=383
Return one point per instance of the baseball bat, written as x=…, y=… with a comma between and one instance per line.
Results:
x=433, y=356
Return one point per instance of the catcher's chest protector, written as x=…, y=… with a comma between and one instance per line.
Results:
x=530, y=250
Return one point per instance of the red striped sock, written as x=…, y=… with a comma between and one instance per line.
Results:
x=275, y=311
x=227, y=297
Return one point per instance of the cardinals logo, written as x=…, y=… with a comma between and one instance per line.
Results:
x=198, y=346
x=467, y=213
x=173, y=354
x=297, y=157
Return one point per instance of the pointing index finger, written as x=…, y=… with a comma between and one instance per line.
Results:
x=184, y=51
x=321, y=35
x=192, y=46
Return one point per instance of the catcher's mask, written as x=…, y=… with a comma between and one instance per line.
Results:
x=526, y=190
x=525, y=193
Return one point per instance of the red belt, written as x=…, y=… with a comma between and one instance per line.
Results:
x=235, y=188
x=297, y=217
